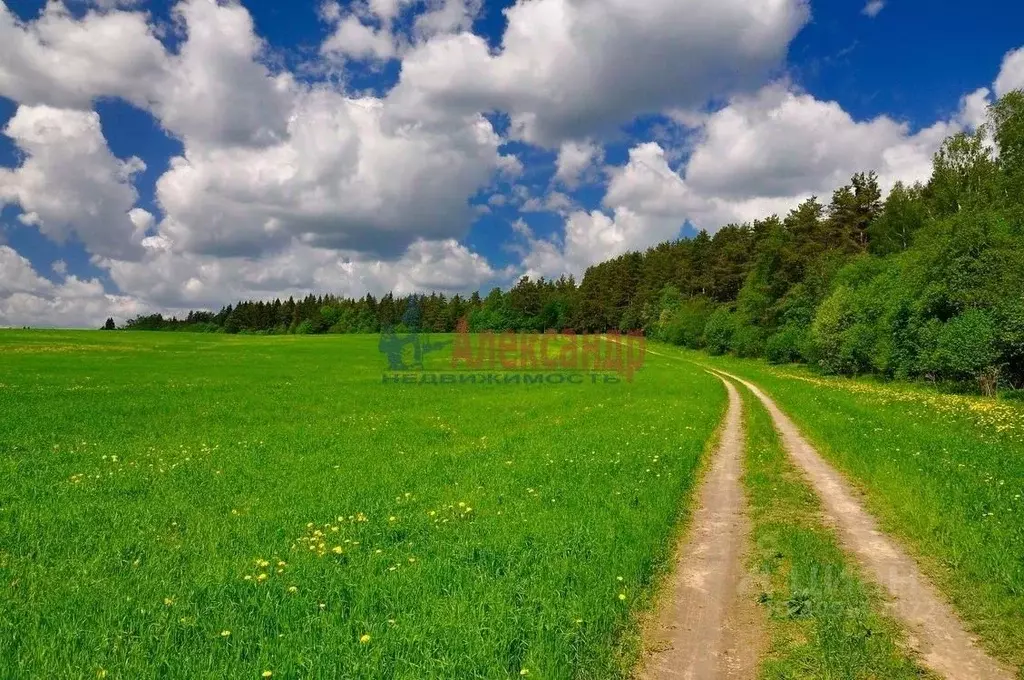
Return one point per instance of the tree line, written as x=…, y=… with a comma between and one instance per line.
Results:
x=927, y=282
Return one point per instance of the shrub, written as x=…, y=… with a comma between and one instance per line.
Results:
x=786, y=346
x=719, y=331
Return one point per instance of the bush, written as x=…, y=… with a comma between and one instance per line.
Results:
x=685, y=326
x=747, y=341
x=786, y=346
x=719, y=331
x=965, y=346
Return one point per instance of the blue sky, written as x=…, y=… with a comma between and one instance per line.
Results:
x=405, y=145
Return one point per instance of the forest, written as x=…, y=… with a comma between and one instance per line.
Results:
x=926, y=282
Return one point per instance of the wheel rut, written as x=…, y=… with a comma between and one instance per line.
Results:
x=933, y=628
x=708, y=625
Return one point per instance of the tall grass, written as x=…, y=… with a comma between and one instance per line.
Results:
x=213, y=506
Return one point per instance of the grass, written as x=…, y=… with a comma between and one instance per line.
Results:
x=823, y=621
x=216, y=506
x=943, y=473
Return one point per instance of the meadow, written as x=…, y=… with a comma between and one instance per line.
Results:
x=211, y=506
x=943, y=473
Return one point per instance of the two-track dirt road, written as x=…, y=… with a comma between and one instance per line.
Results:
x=934, y=630
x=708, y=627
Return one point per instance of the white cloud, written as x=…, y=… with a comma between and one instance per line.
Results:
x=761, y=154
x=873, y=8
x=215, y=90
x=166, y=279
x=781, y=143
x=568, y=69
x=27, y=299
x=1011, y=74
x=372, y=30
x=353, y=38
x=574, y=159
x=67, y=62
x=70, y=182
x=377, y=186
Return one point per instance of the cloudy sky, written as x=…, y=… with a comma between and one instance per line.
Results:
x=164, y=156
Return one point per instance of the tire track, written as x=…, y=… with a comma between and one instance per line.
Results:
x=933, y=628
x=707, y=627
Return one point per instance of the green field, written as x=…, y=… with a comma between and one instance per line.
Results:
x=210, y=506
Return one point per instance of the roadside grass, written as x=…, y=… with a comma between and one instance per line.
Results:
x=823, y=620
x=943, y=473
x=210, y=506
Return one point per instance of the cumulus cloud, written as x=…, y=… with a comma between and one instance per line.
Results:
x=28, y=299
x=1011, y=74
x=67, y=62
x=215, y=90
x=574, y=159
x=372, y=30
x=781, y=143
x=568, y=69
x=375, y=187
x=70, y=182
x=173, y=280
x=761, y=154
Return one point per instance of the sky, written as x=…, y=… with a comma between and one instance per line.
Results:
x=166, y=156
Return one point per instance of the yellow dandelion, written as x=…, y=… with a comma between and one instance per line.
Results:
x=622, y=596
x=524, y=672
x=262, y=577
x=267, y=674
x=225, y=633
x=168, y=601
x=364, y=639
x=392, y=518
x=336, y=550
x=293, y=589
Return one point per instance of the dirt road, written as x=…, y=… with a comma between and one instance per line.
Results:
x=707, y=628
x=933, y=628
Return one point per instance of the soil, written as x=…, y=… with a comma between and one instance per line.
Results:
x=709, y=626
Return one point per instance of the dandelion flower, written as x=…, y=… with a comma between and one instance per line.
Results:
x=168, y=601
x=293, y=589
x=225, y=633
x=261, y=577
x=364, y=639
x=524, y=672
x=336, y=550
x=622, y=596
x=392, y=518
x=267, y=674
